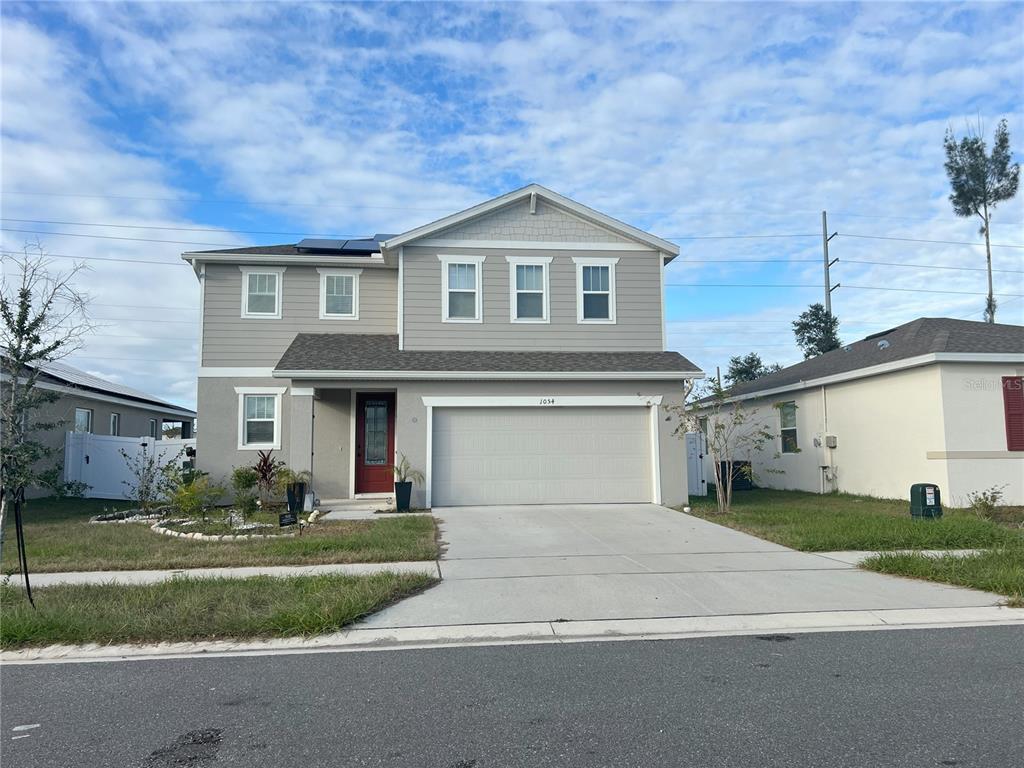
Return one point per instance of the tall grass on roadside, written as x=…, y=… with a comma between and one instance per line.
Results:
x=821, y=523
x=998, y=570
x=197, y=609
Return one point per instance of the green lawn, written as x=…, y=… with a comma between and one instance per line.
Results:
x=59, y=537
x=821, y=523
x=998, y=570
x=197, y=609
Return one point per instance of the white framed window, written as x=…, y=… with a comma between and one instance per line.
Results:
x=153, y=426
x=115, y=424
x=339, y=294
x=462, y=289
x=529, y=294
x=259, y=417
x=595, y=289
x=83, y=419
x=261, y=292
x=787, y=424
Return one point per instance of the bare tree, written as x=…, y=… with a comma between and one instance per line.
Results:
x=44, y=319
x=732, y=430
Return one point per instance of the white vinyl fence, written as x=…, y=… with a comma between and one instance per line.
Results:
x=96, y=460
x=696, y=458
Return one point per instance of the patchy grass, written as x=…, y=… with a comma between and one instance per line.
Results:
x=197, y=609
x=821, y=523
x=59, y=537
x=998, y=570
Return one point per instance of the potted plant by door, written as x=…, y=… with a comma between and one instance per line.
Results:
x=405, y=476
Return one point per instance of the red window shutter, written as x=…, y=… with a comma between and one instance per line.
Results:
x=1013, y=409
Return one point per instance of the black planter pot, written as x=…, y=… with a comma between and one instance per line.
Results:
x=296, y=494
x=403, y=493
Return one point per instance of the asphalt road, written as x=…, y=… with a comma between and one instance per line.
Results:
x=950, y=697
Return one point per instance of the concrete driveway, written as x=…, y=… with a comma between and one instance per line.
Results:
x=508, y=564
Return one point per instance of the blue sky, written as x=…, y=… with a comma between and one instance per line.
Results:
x=692, y=121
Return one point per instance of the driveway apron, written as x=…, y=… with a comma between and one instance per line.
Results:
x=622, y=561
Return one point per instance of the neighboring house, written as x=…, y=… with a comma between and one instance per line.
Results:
x=934, y=401
x=88, y=403
x=514, y=352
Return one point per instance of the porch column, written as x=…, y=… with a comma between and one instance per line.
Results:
x=300, y=429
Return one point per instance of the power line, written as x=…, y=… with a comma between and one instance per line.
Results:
x=919, y=240
x=114, y=237
x=49, y=255
x=927, y=266
x=800, y=285
x=182, y=229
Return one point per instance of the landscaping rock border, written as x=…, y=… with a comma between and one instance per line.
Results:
x=158, y=528
x=129, y=516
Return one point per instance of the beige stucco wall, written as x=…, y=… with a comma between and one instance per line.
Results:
x=975, y=429
x=941, y=423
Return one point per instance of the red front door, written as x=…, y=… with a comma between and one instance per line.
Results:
x=375, y=442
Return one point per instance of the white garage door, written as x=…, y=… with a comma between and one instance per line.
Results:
x=541, y=455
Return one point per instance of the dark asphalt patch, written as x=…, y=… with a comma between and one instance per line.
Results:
x=190, y=749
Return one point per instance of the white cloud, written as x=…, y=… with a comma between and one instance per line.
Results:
x=691, y=119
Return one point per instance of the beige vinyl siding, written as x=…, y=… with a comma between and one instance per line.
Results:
x=547, y=223
x=638, y=304
x=231, y=340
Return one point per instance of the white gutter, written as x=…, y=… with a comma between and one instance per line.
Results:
x=377, y=260
x=488, y=375
x=877, y=370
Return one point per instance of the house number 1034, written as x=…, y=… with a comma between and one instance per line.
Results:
x=547, y=401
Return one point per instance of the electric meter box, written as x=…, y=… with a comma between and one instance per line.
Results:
x=925, y=500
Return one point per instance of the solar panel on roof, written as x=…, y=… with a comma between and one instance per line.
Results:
x=321, y=245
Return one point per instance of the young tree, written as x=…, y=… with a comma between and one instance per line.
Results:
x=817, y=331
x=43, y=319
x=733, y=433
x=747, y=368
x=980, y=181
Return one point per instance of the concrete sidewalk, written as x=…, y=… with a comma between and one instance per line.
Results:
x=428, y=567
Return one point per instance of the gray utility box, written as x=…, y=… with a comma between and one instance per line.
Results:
x=925, y=500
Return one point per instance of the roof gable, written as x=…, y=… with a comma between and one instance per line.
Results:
x=533, y=213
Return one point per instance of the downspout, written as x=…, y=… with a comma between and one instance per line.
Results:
x=824, y=439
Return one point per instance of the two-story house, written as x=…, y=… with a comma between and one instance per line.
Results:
x=514, y=352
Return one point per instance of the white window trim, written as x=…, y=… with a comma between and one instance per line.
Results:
x=447, y=260
x=154, y=428
x=795, y=428
x=534, y=261
x=279, y=272
x=324, y=274
x=590, y=261
x=114, y=416
x=91, y=416
x=242, y=392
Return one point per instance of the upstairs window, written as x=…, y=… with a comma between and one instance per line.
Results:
x=83, y=420
x=1013, y=411
x=595, y=284
x=787, y=422
x=261, y=293
x=339, y=294
x=528, y=280
x=461, y=289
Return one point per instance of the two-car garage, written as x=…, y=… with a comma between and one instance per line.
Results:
x=547, y=453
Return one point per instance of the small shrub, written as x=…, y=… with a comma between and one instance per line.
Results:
x=151, y=482
x=243, y=483
x=267, y=470
x=194, y=498
x=984, y=503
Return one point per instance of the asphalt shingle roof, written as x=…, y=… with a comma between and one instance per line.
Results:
x=378, y=352
x=923, y=336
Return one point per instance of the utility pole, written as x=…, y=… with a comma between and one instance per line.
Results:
x=825, y=237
